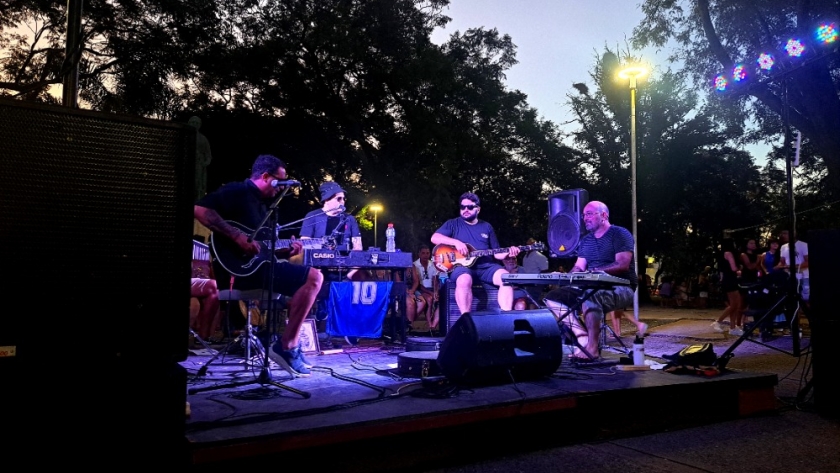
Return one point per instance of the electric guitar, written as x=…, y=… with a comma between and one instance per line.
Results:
x=446, y=257
x=237, y=263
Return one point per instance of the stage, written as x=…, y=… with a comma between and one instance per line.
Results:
x=359, y=399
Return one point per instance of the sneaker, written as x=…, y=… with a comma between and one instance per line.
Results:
x=717, y=327
x=643, y=329
x=289, y=360
x=306, y=362
x=736, y=331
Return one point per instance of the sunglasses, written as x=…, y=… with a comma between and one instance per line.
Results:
x=468, y=207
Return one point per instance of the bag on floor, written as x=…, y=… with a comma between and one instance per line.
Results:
x=700, y=354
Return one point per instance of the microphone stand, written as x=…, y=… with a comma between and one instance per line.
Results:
x=331, y=238
x=264, y=377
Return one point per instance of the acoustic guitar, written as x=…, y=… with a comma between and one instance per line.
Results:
x=446, y=257
x=237, y=263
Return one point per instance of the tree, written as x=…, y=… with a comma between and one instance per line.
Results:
x=715, y=35
x=691, y=186
x=133, y=53
x=352, y=91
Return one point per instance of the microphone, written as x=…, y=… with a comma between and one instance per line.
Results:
x=286, y=183
x=341, y=208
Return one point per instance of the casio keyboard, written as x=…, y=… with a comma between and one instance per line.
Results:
x=370, y=259
x=596, y=279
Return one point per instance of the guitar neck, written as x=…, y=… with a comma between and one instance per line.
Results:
x=496, y=251
x=493, y=251
x=306, y=242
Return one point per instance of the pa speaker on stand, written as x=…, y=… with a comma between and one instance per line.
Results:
x=564, y=221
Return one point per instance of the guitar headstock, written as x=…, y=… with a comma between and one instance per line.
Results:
x=538, y=245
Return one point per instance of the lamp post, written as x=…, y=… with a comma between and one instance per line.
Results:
x=376, y=209
x=632, y=73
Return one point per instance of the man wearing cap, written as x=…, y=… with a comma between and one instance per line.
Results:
x=468, y=229
x=331, y=220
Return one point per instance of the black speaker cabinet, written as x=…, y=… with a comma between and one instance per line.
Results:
x=565, y=223
x=823, y=260
x=501, y=347
x=485, y=298
x=96, y=247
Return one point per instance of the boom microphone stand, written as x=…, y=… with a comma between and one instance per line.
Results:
x=264, y=378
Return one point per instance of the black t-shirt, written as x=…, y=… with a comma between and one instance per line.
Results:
x=317, y=224
x=480, y=236
x=240, y=202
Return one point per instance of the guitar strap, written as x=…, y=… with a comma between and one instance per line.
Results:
x=340, y=229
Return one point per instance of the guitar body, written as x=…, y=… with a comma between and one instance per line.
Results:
x=237, y=263
x=446, y=257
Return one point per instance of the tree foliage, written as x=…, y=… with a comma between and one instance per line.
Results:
x=352, y=91
x=712, y=36
x=690, y=185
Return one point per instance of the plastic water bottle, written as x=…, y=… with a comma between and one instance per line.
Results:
x=639, y=351
x=390, y=236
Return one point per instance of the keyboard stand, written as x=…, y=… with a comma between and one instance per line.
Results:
x=573, y=311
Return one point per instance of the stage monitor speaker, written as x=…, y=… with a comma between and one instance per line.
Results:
x=823, y=260
x=496, y=348
x=565, y=223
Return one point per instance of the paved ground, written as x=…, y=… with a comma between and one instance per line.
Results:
x=796, y=438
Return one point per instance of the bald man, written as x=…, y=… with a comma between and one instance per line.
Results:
x=607, y=248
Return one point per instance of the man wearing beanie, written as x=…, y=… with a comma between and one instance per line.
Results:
x=332, y=220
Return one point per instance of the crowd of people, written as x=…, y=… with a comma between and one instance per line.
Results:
x=745, y=268
x=737, y=268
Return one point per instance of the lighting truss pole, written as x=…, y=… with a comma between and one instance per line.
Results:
x=376, y=209
x=633, y=73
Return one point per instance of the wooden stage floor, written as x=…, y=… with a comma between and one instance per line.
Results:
x=357, y=396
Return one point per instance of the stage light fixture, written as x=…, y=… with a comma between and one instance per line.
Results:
x=827, y=34
x=739, y=73
x=794, y=48
x=721, y=83
x=765, y=61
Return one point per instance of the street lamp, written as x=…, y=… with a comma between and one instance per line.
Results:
x=376, y=209
x=632, y=73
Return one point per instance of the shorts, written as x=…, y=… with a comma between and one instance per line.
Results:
x=805, y=289
x=288, y=278
x=729, y=284
x=480, y=273
x=198, y=286
x=602, y=301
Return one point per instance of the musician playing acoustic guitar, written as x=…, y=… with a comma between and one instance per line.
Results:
x=246, y=202
x=469, y=230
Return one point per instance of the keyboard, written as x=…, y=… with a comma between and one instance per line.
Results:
x=370, y=259
x=583, y=279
